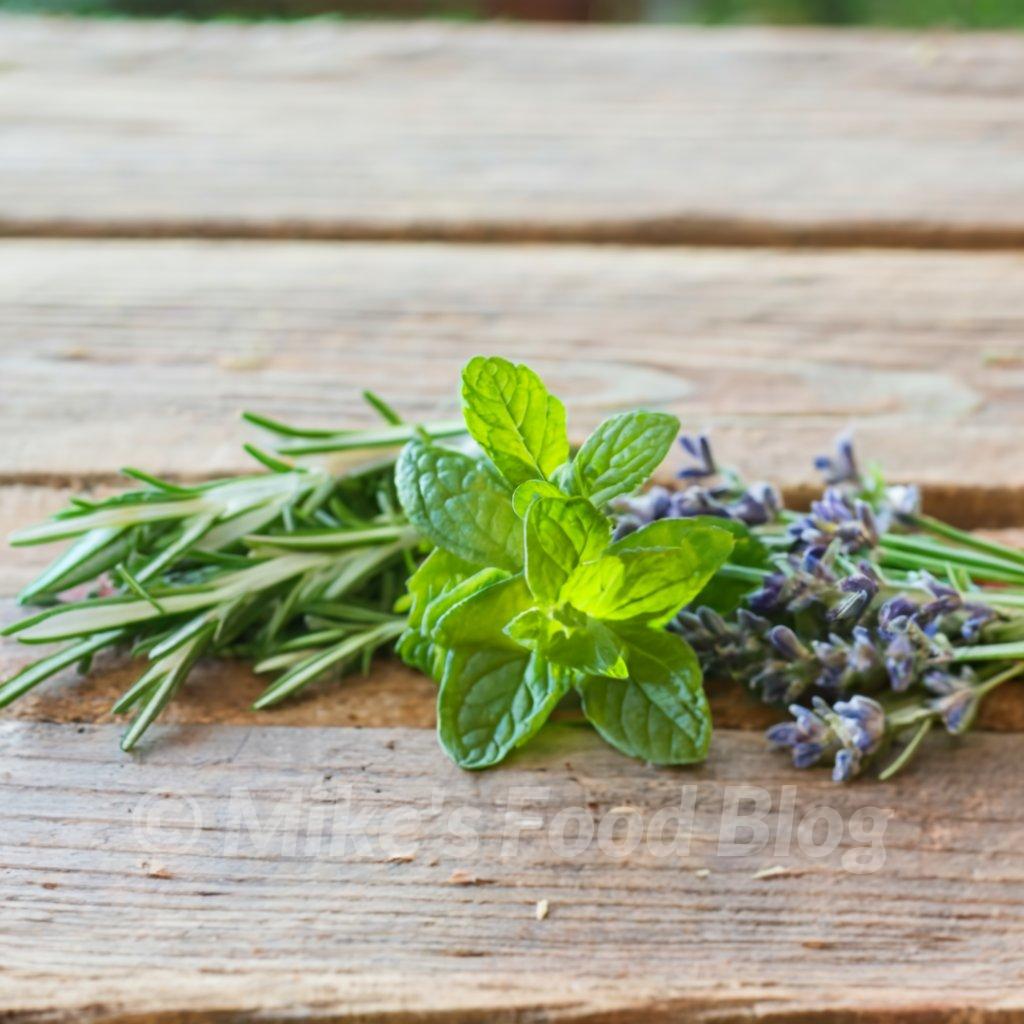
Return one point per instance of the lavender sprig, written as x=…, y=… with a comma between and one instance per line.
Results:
x=860, y=621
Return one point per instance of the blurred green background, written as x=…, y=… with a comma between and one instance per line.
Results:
x=960, y=14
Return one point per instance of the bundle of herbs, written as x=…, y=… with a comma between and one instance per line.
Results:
x=520, y=574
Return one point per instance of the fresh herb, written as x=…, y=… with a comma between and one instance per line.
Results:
x=520, y=575
x=868, y=611
x=296, y=570
x=527, y=596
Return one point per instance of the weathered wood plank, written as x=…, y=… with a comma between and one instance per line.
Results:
x=267, y=873
x=116, y=353
x=743, y=136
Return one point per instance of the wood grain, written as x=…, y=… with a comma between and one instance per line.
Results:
x=746, y=136
x=263, y=874
x=115, y=353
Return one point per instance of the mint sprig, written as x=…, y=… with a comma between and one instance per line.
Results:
x=526, y=595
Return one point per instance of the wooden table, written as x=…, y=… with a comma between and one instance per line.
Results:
x=773, y=234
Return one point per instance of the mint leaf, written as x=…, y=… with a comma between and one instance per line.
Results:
x=660, y=713
x=492, y=700
x=480, y=619
x=578, y=643
x=648, y=584
x=460, y=505
x=622, y=453
x=439, y=574
x=529, y=491
x=723, y=594
x=561, y=533
x=512, y=417
x=665, y=533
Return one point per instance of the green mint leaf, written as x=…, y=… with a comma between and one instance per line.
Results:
x=660, y=713
x=460, y=505
x=664, y=533
x=622, y=453
x=529, y=491
x=438, y=584
x=512, y=417
x=479, y=620
x=493, y=700
x=648, y=584
x=722, y=594
x=573, y=641
x=561, y=533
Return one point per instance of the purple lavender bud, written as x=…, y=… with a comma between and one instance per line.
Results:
x=947, y=600
x=807, y=754
x=841, y=467
x=903, y=501
x=699, y=447
x=696, y=501
x=812, y=726
x=980, y=616
x=864, y=722
x=866, y=515
x=833, y=660
x=941, y=682
x=751, y=623
x=893, y=611
x=654, y=503
x=769, y=598
x=808, y=736
x=957, y=710
x=835, y=517
x=957, y=699
x=785, y=641
x=712, y=621
x=774, y=685
x=864, y=656
x=625, y=526
x=847, y=765
x=784, y=734
x=860, y=590
x=758, y=505
x=900, y=661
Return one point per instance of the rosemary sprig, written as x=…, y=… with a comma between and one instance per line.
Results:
x=245, y=566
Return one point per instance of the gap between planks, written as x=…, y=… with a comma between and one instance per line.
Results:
x=681, y=232
x=752, y=135
x=774, y=351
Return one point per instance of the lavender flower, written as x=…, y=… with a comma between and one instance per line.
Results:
x=903, y=502
x=957, y=698
x=862, y=720
x=785, y=641
x=896, y=608
x=699, y=447
x=758, y=505
x=860, y=589
x=901, y=660
x=842, y=466
x=754, y=506
x=809, y=736
x=848, y=663
x=837, y=517
x=698, y=501
x=979, y=616
x=851, y=730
